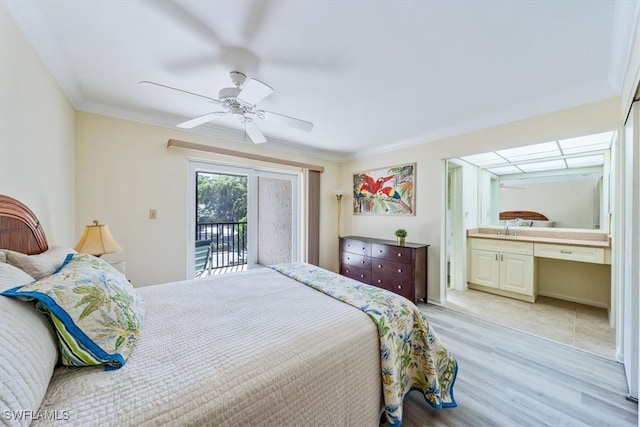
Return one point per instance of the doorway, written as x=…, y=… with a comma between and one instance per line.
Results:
x=240, y=217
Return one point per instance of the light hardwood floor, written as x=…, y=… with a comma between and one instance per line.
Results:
x=511, y=378
x=566, y=322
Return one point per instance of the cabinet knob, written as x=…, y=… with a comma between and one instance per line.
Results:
x=399, y=270
x=362, y=262
x=379, y=265
x=363, y=248
x=362, y=275
x=348, y=271
x=379, y=281
x=399, y=254
x=399, y=287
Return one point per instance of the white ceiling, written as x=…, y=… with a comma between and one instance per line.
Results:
x=371, y=76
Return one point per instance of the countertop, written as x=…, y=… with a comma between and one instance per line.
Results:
x=563, y=238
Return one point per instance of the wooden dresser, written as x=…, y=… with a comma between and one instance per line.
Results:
x=383, y=263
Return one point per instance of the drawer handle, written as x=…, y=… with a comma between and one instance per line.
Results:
x=362, y=275
x=399, y=287
x=399, y=254
x=379, y=265
x=399, y=270
x=363, y=248
x=379, y=281
x=362, y=262
x=496, y=257
x=348, y=271
x=379, y=251
x=566, y=252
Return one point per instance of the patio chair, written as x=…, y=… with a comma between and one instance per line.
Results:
x=202, y=256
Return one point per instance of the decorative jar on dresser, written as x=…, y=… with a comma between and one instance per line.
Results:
x=385, y=264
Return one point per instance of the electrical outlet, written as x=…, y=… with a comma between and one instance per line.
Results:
x=153, y=214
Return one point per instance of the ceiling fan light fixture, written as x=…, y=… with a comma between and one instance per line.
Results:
x=240, y=102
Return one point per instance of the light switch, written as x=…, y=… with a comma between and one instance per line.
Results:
x=153, y=214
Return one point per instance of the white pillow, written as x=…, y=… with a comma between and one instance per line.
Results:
x=40, y=265
x=28, y=348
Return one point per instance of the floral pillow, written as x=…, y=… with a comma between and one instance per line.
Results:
x=96, y=312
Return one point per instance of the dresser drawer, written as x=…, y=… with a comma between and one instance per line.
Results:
x=396, y=285
x=355, y=246
x=359, y=274
x=391, y=268
x=391, y=253
x=355, y=260
x=569, y=253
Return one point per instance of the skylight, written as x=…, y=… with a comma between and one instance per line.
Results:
x=554, y=155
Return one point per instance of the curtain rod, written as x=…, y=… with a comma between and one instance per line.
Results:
x=210, y=149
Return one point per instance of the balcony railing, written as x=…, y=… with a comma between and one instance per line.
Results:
x=228, y=242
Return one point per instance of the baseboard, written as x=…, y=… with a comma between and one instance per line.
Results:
x=436, y=301
x=574, y=299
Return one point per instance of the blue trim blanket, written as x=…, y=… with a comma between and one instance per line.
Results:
x=411, y=356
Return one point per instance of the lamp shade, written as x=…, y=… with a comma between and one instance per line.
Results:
x=97, y=240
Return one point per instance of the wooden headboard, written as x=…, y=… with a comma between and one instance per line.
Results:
x=506, y=215
x=20, y=229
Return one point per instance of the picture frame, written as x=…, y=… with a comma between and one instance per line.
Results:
x=385, y=191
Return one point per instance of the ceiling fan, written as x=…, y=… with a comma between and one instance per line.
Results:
x=240, y=101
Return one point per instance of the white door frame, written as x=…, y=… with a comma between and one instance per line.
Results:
x=454, y=247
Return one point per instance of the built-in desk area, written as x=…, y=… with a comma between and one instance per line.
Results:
x=570, y=265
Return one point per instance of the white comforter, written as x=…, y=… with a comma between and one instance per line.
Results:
x=244, y=349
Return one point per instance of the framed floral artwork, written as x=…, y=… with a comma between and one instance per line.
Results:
x=385, y=191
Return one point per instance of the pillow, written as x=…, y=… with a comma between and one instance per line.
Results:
x=543, y=223
x=523, y=222
x=39, y=265
x=28, y=347
x=96, y=312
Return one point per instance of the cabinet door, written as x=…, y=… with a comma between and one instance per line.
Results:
x=516, y=273
x=485, y=268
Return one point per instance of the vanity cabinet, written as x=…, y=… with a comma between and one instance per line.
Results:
x=504, y=267
x=385, y=264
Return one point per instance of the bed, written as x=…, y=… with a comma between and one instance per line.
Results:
x=268, y=346
x=525, y=219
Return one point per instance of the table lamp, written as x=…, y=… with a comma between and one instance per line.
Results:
x=97, y=240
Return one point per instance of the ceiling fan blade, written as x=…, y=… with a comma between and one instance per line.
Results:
x=285, y=120
x=254, y=132
x=148, y=83
x=254, y=91
x=258, y=12
x=200, y=120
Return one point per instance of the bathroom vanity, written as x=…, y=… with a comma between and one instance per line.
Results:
x=572, y=265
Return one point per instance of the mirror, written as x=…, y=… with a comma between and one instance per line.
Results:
x=567, y=181
x=567, y=200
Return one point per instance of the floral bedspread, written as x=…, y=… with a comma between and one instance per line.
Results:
x=411, y=356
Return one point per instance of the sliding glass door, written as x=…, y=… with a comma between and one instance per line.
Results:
x=240, y=217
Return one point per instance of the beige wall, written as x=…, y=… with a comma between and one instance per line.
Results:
x=426, y=226
x=36, y=136
x=124, y=169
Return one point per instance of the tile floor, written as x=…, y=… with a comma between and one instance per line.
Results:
x=567, y=322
